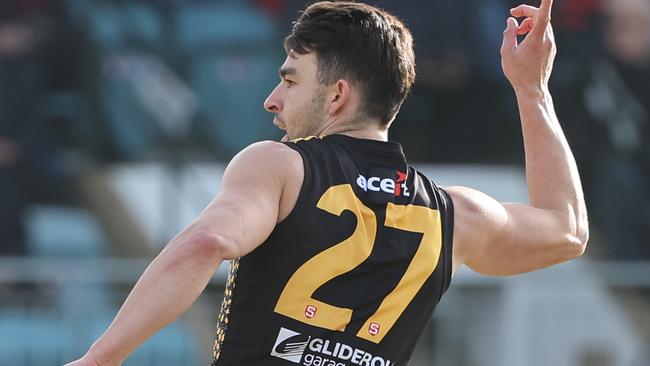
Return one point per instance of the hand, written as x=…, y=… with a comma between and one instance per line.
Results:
x=529, y=64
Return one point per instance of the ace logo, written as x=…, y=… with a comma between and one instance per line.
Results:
x=395, y=187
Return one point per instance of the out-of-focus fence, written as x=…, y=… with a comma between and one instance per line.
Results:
x=576, y=314
x=51, y=310
x=584, y=313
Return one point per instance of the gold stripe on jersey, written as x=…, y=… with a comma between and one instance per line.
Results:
x=224, y=313
x=306, y=138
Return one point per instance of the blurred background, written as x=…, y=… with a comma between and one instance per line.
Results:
x=117, y=117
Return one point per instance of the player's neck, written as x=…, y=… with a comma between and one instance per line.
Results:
x=369, y=130
x=368, y=135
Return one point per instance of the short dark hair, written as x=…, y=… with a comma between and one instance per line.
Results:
x=364, y=44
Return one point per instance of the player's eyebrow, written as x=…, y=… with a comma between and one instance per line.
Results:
x=284, y=71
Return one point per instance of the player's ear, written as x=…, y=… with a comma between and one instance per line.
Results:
x=338, y=96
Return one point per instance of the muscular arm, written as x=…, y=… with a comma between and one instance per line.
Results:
x=239, y=219
x=503, y=239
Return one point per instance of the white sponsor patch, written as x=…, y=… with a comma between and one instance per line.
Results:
x=290, y=345
x=310, y=351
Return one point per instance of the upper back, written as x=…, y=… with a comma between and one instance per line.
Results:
x=352, y=273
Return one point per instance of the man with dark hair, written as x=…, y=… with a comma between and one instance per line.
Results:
x=340, y=251
x=349, y=42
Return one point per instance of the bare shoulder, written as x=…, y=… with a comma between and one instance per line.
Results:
x=476, y=215
x=270, y=167
x=264, y=161
x=268, y=155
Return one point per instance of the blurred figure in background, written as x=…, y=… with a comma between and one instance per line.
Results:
x=459, y=78
x=618, y=103
x=27, y=165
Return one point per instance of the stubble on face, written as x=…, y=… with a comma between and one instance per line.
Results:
x=309, y=119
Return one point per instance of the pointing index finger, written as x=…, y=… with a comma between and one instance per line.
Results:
x=541, y=17
x=545, y=9
x=543, y=20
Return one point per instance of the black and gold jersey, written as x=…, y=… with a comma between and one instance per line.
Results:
x=352, y=275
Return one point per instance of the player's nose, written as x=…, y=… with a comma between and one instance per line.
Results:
x=273, y=102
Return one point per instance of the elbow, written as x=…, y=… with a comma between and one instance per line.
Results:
x=583, y=238
x=577, y=241
x=579, y=246
x=208, y=245
x=576, y=234
x=582, y=233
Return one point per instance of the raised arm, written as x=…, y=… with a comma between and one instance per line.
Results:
x=240, y=218
x=505, y=239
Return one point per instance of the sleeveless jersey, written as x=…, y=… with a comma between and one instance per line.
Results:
x=352, y=275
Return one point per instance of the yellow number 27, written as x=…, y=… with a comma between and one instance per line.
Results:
x=296, y=300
